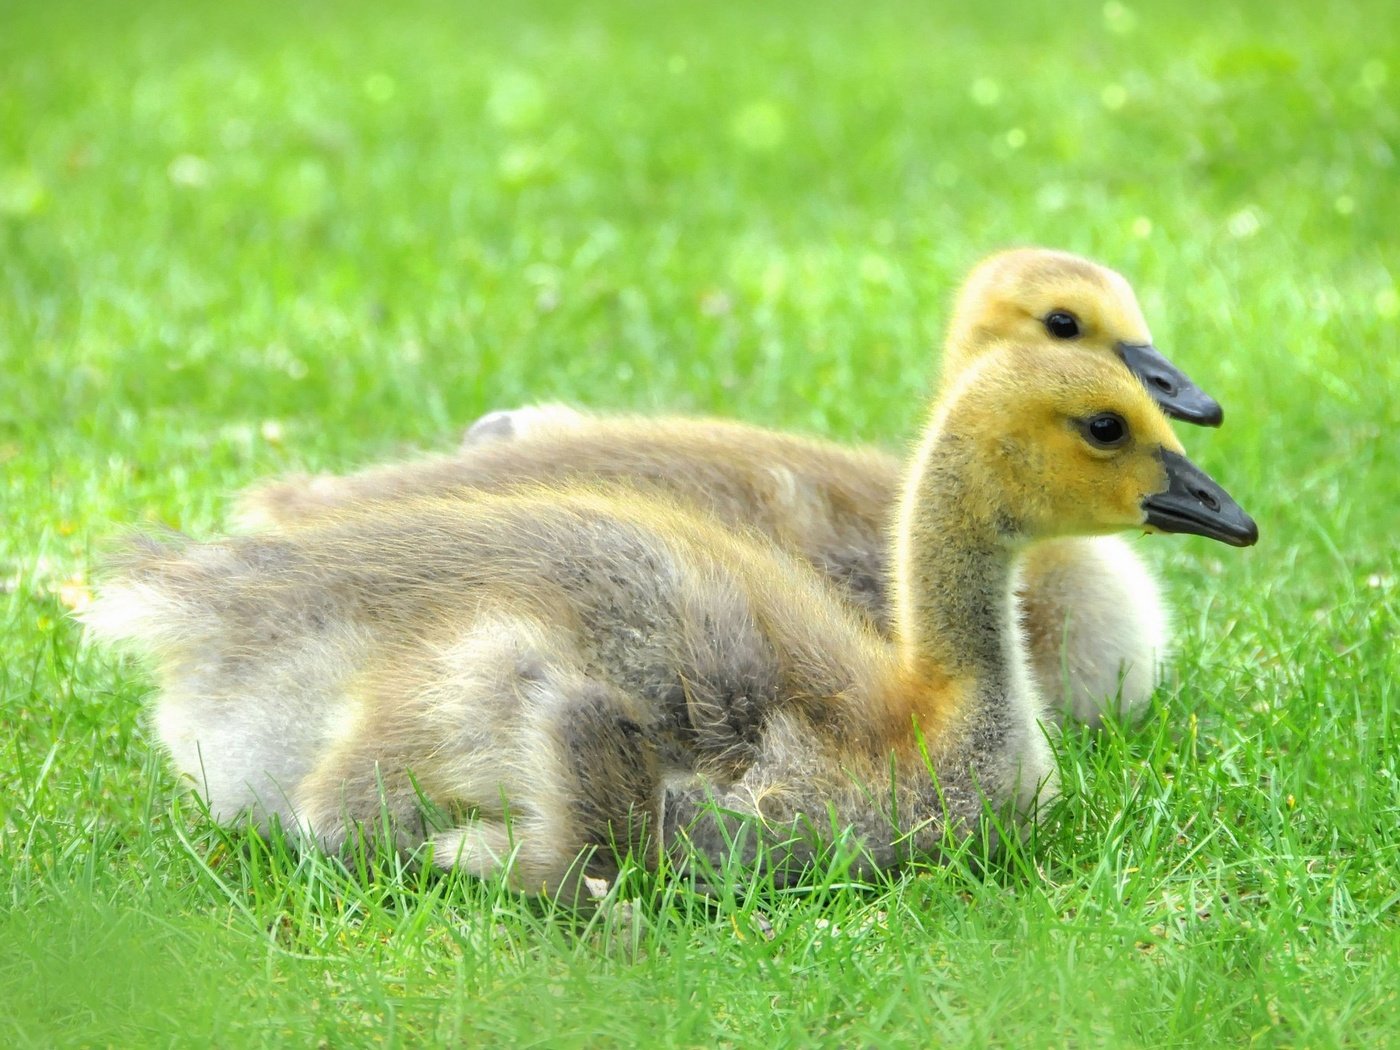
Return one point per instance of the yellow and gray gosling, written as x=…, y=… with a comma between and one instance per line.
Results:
x=561, y=672
x=1096, y=623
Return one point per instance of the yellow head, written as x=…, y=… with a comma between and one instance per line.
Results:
x=1035, y=297
x=1054, y=442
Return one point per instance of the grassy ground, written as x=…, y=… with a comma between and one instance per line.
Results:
x=237, y=239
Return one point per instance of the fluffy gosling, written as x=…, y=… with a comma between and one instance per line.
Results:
x=1093, y=612
x=531, y=680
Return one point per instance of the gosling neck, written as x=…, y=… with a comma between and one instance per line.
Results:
x=954, y=565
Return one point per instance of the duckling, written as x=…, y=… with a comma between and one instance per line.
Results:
x=1094, y=614
x=535, y=679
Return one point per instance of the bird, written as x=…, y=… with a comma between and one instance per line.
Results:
x=1094, y=614
x=530, y=683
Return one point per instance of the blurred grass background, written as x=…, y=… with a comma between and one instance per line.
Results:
x=239, y=239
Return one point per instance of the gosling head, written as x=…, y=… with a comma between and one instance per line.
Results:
x=1037, y=297
x=1064, y=443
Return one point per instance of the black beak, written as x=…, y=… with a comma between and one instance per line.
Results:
x=1174, y=391
x=1194, y=503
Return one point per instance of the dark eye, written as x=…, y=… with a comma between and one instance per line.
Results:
x=1106, y=430
x=1062, y=324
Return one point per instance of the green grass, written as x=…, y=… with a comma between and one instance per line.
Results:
x=238, y=241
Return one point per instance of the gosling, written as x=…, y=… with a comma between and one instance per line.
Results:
x=533, y=681
x=1096, y=622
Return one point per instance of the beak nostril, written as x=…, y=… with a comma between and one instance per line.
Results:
x=1207, y=498
x=1163, y=384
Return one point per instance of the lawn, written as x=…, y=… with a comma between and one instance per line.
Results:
x=243, y=239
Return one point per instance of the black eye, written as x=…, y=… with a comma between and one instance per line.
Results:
x=1106, y=430
x=1062, y=324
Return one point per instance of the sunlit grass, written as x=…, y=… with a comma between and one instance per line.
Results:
x=240, y=240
